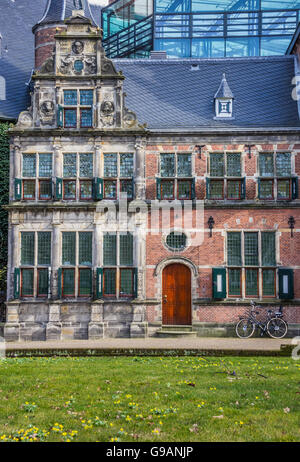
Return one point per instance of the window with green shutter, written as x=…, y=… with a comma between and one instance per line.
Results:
x=29, y=165
x=251, y=248
x=27, y=276
x=109, y=275
x=216, y=165
x=126, y=282
x=85, y=282
x=68, y=248
x=43, y=282
x=251, y=277
x=85, y=248
x=266, y=164
x=268, y=254
x=167, y=165
x=109, y=249
x=234, y=282
x=126, y=249
x=44, y=248
x=233, y=164
x=234, y=256
x=68, y=282
x=27, y=248
x=268, y=282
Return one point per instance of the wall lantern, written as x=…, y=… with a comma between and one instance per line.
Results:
x=249, y=146
x=210, y=223
x=199, y=147
x=291, y=223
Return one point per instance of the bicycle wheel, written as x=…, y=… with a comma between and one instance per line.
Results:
x=244, y=328
x=277, y=328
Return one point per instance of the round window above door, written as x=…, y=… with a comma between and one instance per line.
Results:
x=176, y=241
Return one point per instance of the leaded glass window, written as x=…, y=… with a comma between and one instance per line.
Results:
x=216, y=189
x=251, y=277
x=268, y=249
x=109, y=249
x=234, y=256
x=216, y=165
x=184, y=165
x=234, y=164
x=27, y=276
x=167, y=190
x=68, y=248
x=85, y=248
x=85, y=282
x=266, y=189
x=44, y=248
x=176, y=241
x=45, y=165
x=167, y=165
x=184, y=189
x=233, y=189
x=43, y=282
x=68, y=282
x=126, y=249
x=70, y=97
x=283, y=189
x=268, y=276
x=86, y=165
x=69, y=189
x=126, y=282
x=86, y=118
x=126, y=165
x=70, y=118
x=234, y=282
x=251, y=248
x=110, y=189
x=86, y=189
x=45, y=189
x=86, y=97
x=110, y=165
x=266, y=164
x=27, y=248
x=283, y=164
x=28, y=189
x=70, y=165
x=109, y=281
x=126, y=186
x=29, y=165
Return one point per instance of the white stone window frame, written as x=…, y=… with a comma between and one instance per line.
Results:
x=177, y=178
x=37, y=177
x=117, y=178
x=275, y=177
x=220, y=114
x=77, y=178
x=259, y=267
x=78, y=107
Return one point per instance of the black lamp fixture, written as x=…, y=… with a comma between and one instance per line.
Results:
x=249, y=146
x=199, y=147
x=291, y=223
x=210, y=223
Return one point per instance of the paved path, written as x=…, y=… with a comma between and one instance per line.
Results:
x=199, y=343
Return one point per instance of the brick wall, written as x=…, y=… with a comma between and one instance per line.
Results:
x=44, y=44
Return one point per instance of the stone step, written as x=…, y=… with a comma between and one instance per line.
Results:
x=176, y=327
x=163, y=333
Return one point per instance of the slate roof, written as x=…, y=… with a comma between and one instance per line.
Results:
x=58, y=10
x=167, y=94
x=224, y=89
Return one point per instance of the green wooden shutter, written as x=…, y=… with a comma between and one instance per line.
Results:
x=17, y=283
x=60, y=116
x=207, y=188
x=258, y=188
x=18, y=189
x=58, y=189
x=286, y=283
x=193, y=189
x=158, y=188
x=59, y=281
x=295, y=188
x=133, y=189
x=98, y=189
x=135, y=282
x=219, y=282
x=99, y=282
x=243, y=188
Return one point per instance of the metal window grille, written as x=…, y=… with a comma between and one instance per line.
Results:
x=109, y=281
x=86, y=97
x=70, y=97
x=167, y=189
x=126, y=249
x=234, y=281
x=43, y=281
x=234, y=248
x=251, y=282
x=68, y=282
x=266, y=164
x=268, y=284
x=110, y=189
x=176, y=241
x=28, y=189
x=266, y=189
x=45, y=189
x=216, y=164
x=85, y=281
x=69, y=189
x=27, y=282
x=110, y=165
x=268, y=249
x=86, y=117
x=44, y=248
x=233, y=189
x=86, y=189
x=45, y=165
x=126, y=165
x=167, y=165
x=85, y=248
x=86, y=165
x=70, y=165
x=216, y=189
x=70, y=118
x=283, y=189
x=251, y=248
x=29, y=165
x=126, y=186
x=184, y=189
x=184, y=165
x=126, y=282
x=283, y=164
x=233, y=164
x=109, y=249
x=68, y=248
x=27, y=248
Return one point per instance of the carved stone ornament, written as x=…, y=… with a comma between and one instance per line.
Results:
x=65, y=64
x=90, y=65
x=25, y=119
x=47, y=111
x=107, y=67
x=77, y=47
x=107, y=113
x=129, y=118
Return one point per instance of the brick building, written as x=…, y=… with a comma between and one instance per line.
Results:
x=175, y=208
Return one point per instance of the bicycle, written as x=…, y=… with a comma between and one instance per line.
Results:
x=274, y=323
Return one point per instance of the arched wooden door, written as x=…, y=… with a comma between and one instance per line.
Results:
x=176, y=295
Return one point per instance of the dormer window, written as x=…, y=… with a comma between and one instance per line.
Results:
x=223, y=101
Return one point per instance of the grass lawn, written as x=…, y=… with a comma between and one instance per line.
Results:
x=150, y=399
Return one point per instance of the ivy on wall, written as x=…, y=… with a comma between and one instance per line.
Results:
x=4, y=197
